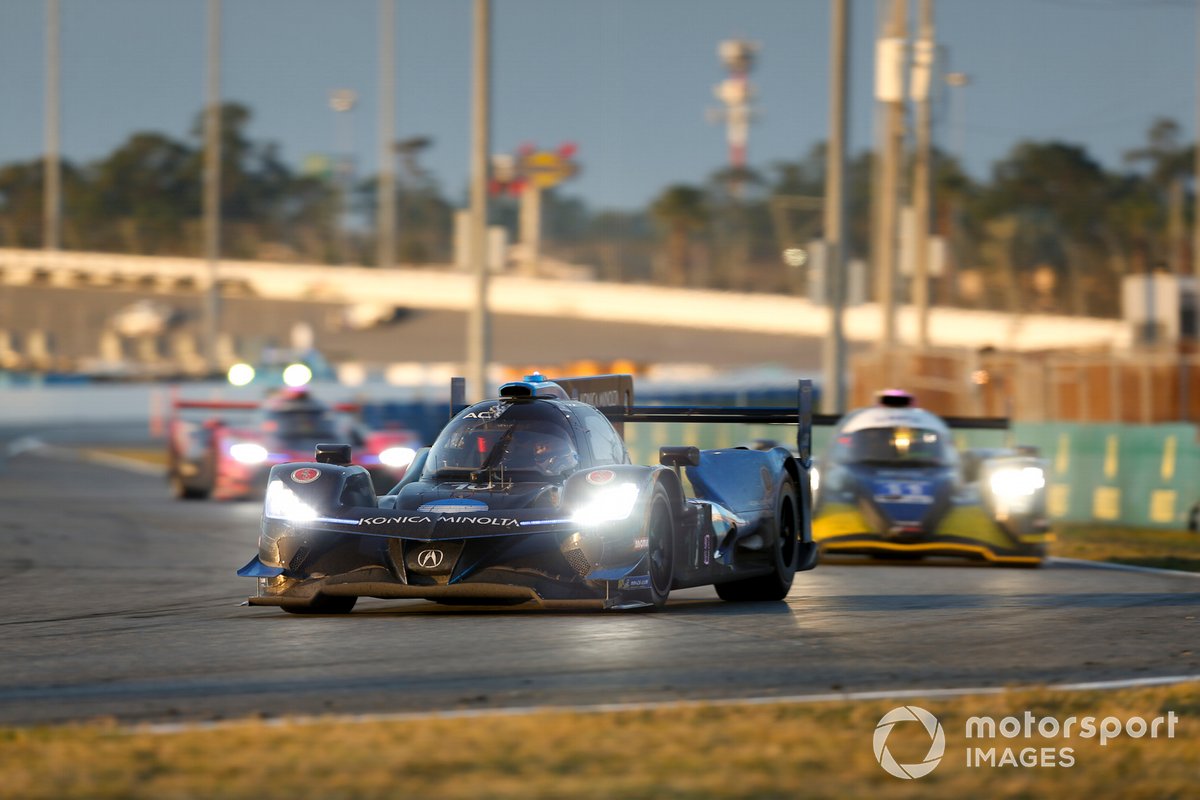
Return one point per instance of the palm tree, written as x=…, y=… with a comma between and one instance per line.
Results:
x=681, y=209
x=1171, y=163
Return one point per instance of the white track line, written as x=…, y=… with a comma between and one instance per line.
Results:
x=617, y=708
x=1085, y=564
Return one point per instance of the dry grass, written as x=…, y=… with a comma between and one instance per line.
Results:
x=1144, y=547
x=785, y=751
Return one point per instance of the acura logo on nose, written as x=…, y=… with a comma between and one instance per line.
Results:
x=430, y=559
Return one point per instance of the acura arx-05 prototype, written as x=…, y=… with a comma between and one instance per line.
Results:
x=531, y=497
x=893, y=484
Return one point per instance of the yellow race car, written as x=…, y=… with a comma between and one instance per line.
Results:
x=892, y=484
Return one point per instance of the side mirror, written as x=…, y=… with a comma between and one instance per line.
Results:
x=679, y=456
x=338, y=454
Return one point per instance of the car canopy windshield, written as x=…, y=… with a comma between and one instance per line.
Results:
x=524, y=440
x=300, y=424
x=898, y=445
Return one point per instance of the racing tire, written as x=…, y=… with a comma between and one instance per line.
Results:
x=324, y=604
x=660, y=550
x=776, y=584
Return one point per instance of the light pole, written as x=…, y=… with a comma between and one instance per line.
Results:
x=479, y=324
x=922, y=169
x=385, y=220
x=834, y=356
x=212, y=183
x=1196, y=190
x=958, y=80
x=342, y=101
x=52, y=223
x=889, y=90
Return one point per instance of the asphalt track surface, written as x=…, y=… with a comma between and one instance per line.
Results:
x=121, y=602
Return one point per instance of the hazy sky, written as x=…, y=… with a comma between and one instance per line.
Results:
x=628, y=80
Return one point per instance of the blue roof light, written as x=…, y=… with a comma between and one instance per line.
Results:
x=534, y=385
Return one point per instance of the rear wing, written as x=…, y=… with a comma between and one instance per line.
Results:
x=982, y=423
x=601, y=391
x=803, y=417
x=245, y=405
x=215, y=405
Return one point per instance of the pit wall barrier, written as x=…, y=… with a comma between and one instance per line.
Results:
x=1136, y=475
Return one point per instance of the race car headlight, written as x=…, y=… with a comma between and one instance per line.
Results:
x=397, y=456
x=607, y=505
x=240, y=374
x=248, y=453
x=1012, y=483
x=283, y=503
x=297, y=375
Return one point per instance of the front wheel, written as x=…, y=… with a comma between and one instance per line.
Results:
x=776, y=584
x=660, y=555
x=180, y=490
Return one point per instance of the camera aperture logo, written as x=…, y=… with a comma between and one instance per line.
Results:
x=937, y=742
x=1053, y=750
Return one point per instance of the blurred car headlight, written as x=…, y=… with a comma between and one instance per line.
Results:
x=297, y=375
x=1011, y=482
x=607, y=505
x=283, y=503
x=248, y=453
x=240, y=374
x=397, y=456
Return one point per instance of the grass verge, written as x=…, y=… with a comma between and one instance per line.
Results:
x=787, y=750
x=1142, y=547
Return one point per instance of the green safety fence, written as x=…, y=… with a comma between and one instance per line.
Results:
x=1136, y=475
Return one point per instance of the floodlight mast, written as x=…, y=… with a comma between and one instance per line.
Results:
x=736, y=93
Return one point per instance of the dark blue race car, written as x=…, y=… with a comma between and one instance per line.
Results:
x=532, y=497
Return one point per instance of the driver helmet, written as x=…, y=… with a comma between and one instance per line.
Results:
x=553, y=455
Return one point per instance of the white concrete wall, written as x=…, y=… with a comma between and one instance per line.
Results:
x=444, y=288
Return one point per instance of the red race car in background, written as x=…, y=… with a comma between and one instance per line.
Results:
x=230, y=460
